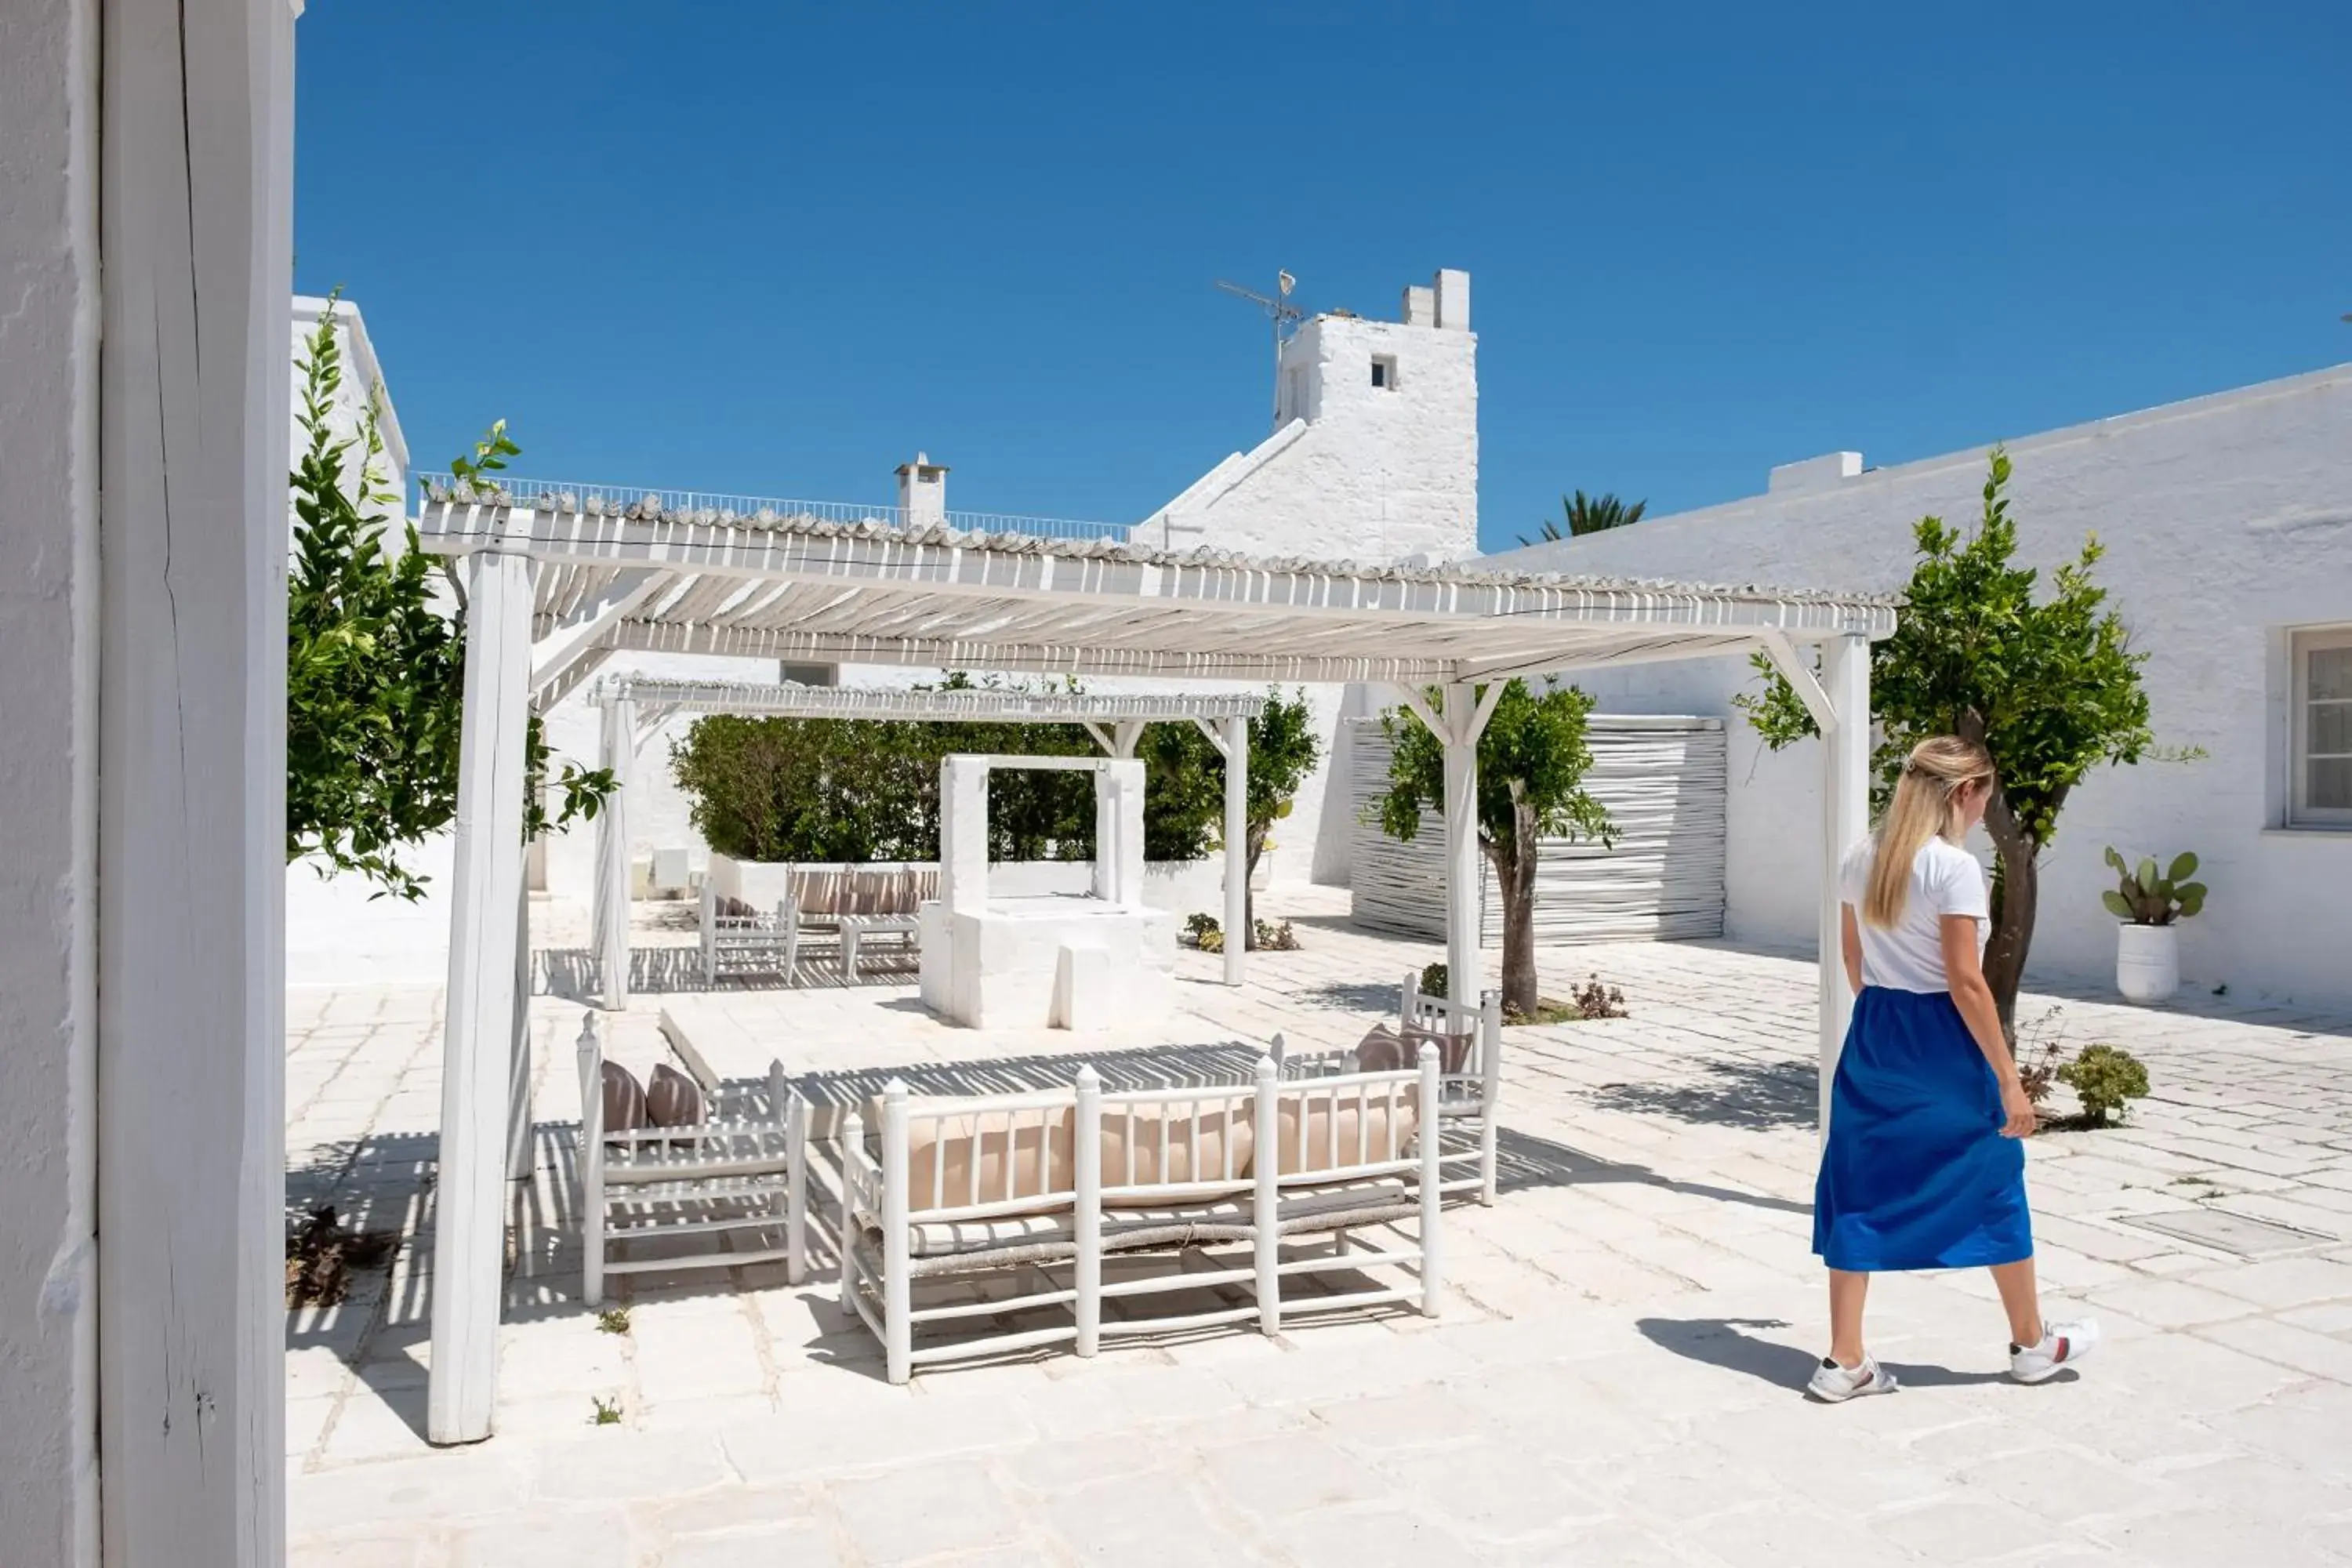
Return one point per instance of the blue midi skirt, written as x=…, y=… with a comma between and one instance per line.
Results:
x=1915, y=1174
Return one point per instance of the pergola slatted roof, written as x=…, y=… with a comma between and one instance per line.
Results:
x=806, y=589
x=556, y=585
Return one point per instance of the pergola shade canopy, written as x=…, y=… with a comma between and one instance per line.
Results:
x=808, y=589
x=555, y=587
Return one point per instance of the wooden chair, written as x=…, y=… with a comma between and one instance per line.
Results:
x=743, y=1169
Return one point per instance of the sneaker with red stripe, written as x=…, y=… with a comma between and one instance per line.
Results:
x=2062, y=1344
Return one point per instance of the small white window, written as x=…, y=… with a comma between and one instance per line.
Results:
x=1384, y=372
x=2321, y=757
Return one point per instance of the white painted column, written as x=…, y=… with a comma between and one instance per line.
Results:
x=612, y=883
x=1460, y=739
x=520, y=1154
x=1127, y=795
x=145, y=742
x=1234, y=741
x=469, y=1239
x=963, y=835
x=1846, y=816
x=1105, y=871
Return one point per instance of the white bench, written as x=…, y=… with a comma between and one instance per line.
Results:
x=1035, y=1191
x=1470, y=1042
x=819, y=901
x=743, y=1169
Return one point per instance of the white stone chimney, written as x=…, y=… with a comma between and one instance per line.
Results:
x=922, y=492
x=1823, y=473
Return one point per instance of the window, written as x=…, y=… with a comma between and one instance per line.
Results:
x=1384, y=372
x=2321, y=755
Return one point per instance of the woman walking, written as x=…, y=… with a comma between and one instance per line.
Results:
x=1925, y=1167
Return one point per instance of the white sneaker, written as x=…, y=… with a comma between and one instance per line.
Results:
x=2062, y=1344
x=1836, y=1384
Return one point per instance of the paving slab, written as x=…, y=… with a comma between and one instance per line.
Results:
x=1617, y=1378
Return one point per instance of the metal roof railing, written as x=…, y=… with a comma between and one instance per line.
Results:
x=732, y=508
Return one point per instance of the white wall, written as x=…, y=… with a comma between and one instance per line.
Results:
x=2225, y=519
x=1356, y=472
x=49, y=695
x=337, y=932
x=657, y=810
x=363, y=373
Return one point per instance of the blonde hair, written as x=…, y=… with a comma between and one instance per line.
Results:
x=1922, y=809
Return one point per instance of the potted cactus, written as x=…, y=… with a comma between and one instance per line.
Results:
x=2151, y=906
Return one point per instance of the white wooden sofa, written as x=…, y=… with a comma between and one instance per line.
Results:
x=1469, y=1038
x=849, y=904
x=1057, y=1193
x=692, y=1190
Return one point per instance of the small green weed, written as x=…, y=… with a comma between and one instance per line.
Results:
x=613, y=1320
x=608, y=1410
x=2105, y=1079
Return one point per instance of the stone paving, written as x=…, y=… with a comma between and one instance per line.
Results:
x=1615, y=1380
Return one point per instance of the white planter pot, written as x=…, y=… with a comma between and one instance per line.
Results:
x=2147, y=962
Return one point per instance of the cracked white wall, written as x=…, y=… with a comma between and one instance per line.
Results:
x=48, y=758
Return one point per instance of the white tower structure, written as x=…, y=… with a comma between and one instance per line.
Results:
x=1375, y=451
x=1374, y=457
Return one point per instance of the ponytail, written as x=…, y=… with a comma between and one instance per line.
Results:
x=1922, y=809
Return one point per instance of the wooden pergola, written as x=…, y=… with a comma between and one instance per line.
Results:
x=1115, y=720
x=554, y=586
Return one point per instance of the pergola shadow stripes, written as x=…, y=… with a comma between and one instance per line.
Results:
x=556, y=585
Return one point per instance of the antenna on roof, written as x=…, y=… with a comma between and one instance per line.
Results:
x=1285, y=316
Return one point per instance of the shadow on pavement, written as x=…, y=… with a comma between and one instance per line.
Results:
x=1725, y=1342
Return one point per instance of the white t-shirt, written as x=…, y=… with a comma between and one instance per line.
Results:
x=1910, y=955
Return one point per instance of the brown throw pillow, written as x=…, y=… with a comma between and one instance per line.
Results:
x=672, y=1098
x=1381, y=1051
x=1452, y=1050
x=624, y=1101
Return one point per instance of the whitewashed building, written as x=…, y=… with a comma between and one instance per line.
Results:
x=1374, y=457
x=2228, y=526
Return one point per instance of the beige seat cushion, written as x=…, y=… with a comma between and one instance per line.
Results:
x=950, y=1142
x=1138, y=1132
x=1312, y=1138
x=1044, y=1236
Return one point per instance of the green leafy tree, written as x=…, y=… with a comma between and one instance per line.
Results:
x=1532, y=760
x=859, y=790
x=1585, y=515
x=1184, y=784
x=375, y=668
x=2048, y=685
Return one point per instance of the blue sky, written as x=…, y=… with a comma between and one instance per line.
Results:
x=774, y=249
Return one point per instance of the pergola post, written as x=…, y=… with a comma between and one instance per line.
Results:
x=611, y=885
x=519, y=1110
x=1846, y=816
x=1459, y=736
x=469, y=1239
x=147, y=194
x=1235, y=742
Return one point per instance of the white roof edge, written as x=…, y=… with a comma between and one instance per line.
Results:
x=307, y=308
x=2159, y=413
x=975, y=703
